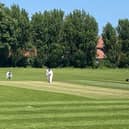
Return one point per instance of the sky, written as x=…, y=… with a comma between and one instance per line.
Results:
x=103, y=11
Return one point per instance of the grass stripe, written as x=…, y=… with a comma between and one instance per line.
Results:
x=86, y=91
x=25, y=105
x=38, y=112
x=122, y=126
x=72, y=102
x=36, y=125
x=63, y=107
x=64, y=115
x=103, y=83
x=61, y=111
x=66, y=119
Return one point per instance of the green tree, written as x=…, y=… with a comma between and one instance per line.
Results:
x=22, y=34
x=112, y=45
x=123, y=35
x=80, y=34
x=6, y=33
x=46, y=30
x=55, y=58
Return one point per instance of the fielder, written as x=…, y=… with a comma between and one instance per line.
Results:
x=49, y=74
x=9, y=75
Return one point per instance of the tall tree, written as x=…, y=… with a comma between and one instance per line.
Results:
x=79, y=35
x=46, y=29
x=123, y=33
x=112, y=46
x=22, y=34
x=6, y=34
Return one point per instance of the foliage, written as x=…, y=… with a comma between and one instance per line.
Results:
x=59, y=40
x=112, y=46
x=4, y=52
x=79, y=36
x=123, y=36
x=46, y=28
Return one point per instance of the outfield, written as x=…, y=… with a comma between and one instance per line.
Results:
x=77, y=99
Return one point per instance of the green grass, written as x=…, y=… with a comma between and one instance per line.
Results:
x=77, y=99
x=113, y=78
x=21, y=94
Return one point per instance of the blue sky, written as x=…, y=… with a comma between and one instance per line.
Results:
x=103, y=10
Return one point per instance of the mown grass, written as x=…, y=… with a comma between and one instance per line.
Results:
x=68, y=74
x=113, y=78
x=20, y=94
x=22, y=108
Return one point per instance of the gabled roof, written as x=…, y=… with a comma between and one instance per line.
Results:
x=100, y=43
x=99, y=52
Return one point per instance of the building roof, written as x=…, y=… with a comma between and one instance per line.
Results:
x=99, y=52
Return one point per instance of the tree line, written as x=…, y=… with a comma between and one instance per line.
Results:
x=59, y=40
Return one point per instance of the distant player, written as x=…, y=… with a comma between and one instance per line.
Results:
x=9, y=75
x=49, y=74
x=127, y=80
